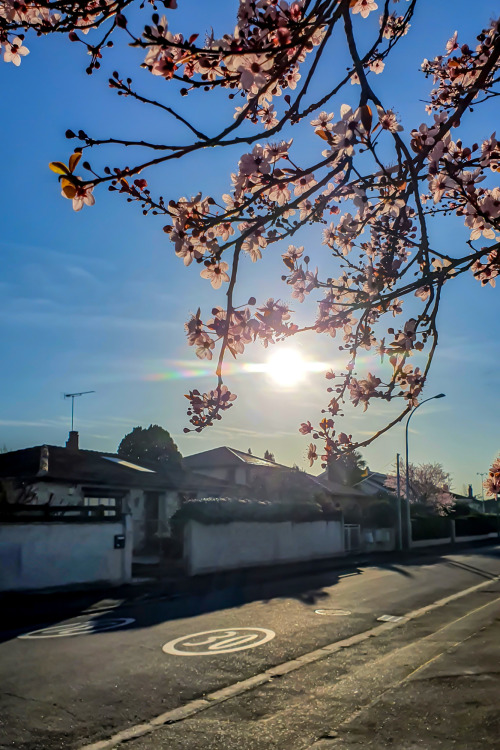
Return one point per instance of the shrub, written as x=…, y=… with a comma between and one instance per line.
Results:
x=432, y=527
x=475, y=525
x=225, y=510
x=379, y=515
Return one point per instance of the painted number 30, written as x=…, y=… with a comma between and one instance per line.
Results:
x=213, y=642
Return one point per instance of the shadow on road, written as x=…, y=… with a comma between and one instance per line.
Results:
x=167, y=600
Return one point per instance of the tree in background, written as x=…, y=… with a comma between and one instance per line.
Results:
x=373, y=184
x=269, y=456
x=429, y=486
x=152, y=445
x=492, y=482
x=348, y=469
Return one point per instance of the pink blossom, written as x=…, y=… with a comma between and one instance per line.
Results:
x=14, y=51
x=216, y=273
x=323, y=120
x=364, y=7
x=377, y=66
x=312, y=454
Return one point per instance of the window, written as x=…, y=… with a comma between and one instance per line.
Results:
x=106, y=506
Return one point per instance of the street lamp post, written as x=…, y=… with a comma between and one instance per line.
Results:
x=482, y=474
x=408, y=518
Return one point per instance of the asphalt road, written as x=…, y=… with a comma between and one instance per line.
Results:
x=69, y=690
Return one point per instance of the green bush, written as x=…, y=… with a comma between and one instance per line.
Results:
x=380, y=514
x=225, y=510
x=432, y=527
x=475, y=525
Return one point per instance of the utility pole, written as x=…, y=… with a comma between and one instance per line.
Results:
x=398, y=504
x=482, y=474
x=72, y=396
x=407, y=467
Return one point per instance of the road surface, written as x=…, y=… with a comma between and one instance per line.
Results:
x=79, y=681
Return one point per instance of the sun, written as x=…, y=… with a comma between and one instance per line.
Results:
x=286, y=368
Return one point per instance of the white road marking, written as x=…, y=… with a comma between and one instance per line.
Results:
x=85, y=627
x=333, y=612
x=214, y=642
x=196, y=706
x=389, y=618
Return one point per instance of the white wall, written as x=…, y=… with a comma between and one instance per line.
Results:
x=46, y=555
x=214, y=547
x=382, y=540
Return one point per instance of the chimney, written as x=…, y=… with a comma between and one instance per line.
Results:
x=72, y=441
x=471, y=494
x=44, y=461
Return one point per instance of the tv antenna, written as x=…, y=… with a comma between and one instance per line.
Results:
x=72, y=396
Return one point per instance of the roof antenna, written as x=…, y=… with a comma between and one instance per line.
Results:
x=72, y=396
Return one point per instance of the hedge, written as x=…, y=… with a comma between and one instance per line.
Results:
x=475, y=525
x=211, y=510
x=380, y=514
x=439, y=527
x=431, y=527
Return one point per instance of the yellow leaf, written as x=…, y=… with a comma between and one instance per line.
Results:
x=68, y=189
x=73, y=161
x=322, y=134
x=366, y=117
x=58, y=167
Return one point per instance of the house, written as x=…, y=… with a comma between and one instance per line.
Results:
x=352, y=500
x=231, y=465
x=267, y=480
x=374, y=485
x=105, y=484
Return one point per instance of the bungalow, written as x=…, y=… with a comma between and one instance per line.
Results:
x=105, y=484
x=267, y=480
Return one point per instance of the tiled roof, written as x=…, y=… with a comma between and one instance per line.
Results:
x=225, y=456
x=55, y=463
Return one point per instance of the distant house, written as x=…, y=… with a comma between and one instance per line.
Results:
x=264, y=479
x=352, y=500
x=231, y=465
x=104, y=483
x=374, y=485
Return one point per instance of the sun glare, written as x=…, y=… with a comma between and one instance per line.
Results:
x=286, y=368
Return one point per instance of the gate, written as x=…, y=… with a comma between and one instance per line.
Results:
x=352, y=537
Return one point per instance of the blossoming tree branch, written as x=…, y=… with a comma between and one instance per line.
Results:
x=374, y=185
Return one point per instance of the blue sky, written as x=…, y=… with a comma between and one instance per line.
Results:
x=97, y=299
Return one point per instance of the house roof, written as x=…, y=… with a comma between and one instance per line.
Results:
x=225, y=456
x=55, y=463
x=337, y=488
x=373, y=483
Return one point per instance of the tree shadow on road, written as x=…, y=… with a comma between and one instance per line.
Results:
x=210, y=593
x=169, y=600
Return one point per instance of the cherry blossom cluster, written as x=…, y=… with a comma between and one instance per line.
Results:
x=205, y=407
x=350, y=214
x=492, y=481
x=463, y=71
x=46, y=17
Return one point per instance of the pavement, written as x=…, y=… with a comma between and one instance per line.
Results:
x=299, y=662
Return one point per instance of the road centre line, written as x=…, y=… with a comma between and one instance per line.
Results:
x=218, y=696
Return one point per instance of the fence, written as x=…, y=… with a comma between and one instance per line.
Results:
x=19, y=513
x=352, y=537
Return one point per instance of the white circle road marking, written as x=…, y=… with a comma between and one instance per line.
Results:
x=80, y=628
x=223, y=641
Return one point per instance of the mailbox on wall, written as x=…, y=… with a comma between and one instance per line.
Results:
x=119, y=541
